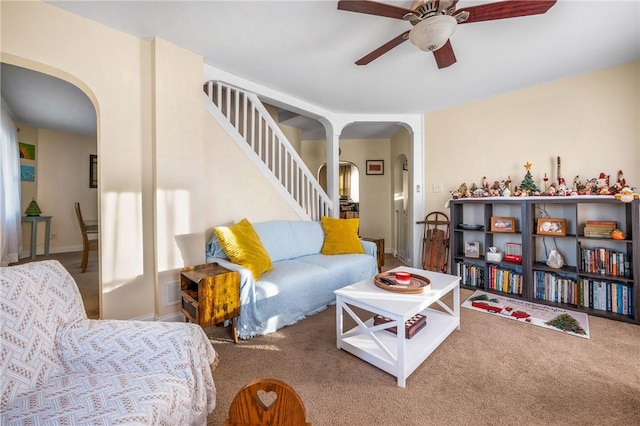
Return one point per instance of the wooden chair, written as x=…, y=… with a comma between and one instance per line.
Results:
x=267, y=402
x=87, y=243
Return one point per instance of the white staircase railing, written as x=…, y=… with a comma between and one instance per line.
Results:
x=257, y=133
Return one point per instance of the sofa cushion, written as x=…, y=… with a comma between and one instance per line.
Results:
x=288, y=239
x=242, y=246
x=341, y=236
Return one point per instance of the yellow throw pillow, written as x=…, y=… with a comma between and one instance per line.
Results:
x=242, y=246
x=341, y=236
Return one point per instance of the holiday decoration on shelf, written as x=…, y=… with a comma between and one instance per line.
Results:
x=33, y=209
x=595, y=186
x=528, y=186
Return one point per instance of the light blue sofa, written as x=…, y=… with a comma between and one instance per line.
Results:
x=302, y=280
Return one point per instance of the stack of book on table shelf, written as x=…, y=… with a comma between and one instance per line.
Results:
x=412, y=326
x=599, y=228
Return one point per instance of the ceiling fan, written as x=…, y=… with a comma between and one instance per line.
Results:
x=435, y=21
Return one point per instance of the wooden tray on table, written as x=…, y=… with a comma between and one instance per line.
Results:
x=387, y=281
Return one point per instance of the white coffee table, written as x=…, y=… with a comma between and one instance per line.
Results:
x=390, y=352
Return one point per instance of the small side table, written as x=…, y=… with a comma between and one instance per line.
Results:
x=34, y=232
x=379, y=249
x=210, y=295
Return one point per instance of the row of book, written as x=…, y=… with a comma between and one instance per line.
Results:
x=504, y=280
x=555, y=288
x=587, y=293
x=500, y=279
x=599, y=228
x=605, y=261
x=470, y=274
x=606, y=296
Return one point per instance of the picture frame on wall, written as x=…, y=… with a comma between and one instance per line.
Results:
x=503, y=224
x=375, y=167
x=552, y=226
x=27, y=151
x=27, y=173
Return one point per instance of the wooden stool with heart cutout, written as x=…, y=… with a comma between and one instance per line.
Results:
x=267, y=402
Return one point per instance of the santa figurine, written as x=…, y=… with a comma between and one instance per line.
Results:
x=563, y=190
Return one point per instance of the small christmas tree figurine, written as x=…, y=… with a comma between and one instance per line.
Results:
x=528, y=184
x=33, y=209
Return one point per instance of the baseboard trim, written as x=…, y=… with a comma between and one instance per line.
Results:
x=175, y=317
x=52, y=250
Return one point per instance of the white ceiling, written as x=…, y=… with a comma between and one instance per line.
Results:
x=307, y=49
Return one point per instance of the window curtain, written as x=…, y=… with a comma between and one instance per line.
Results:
x=10, y=217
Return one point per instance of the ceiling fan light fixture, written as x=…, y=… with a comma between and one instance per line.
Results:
x=432, y=33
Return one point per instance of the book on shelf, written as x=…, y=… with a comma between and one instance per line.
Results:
x=606, y=296
x=603, y=223
x=597, y=232
x=470, y=274
x=604, y=261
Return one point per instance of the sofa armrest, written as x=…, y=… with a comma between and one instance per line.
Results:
x=179, y=350
x=370, y=248
x=226, y=263
x=92, y=346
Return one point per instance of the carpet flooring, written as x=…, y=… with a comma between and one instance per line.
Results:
x=490, y=372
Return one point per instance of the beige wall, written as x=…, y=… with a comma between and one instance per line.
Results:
x=110, y=67
x=62, y=177
x=400, y=149
x=592, y=122
x=236, y=188
x=179, y=164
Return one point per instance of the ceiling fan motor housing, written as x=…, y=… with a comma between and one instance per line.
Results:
x=432, y=33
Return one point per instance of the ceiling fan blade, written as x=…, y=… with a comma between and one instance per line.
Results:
x=374, y=8
x=445, y=56
x=506, y=9
x=383, y=49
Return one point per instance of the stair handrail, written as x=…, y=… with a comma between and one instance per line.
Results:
x=304, y=190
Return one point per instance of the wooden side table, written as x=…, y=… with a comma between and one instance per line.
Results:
x=210, y=295
x=379, y=250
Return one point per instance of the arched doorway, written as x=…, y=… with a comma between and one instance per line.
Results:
x=348, y=187
x=58, y=119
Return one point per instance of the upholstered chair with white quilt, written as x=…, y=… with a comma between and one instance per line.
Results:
x=59, y=368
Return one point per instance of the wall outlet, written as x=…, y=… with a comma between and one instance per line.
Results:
x=54, y=235
x=436, y=187
x=172, y=294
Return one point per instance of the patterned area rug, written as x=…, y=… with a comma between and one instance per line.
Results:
x=563, y=320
